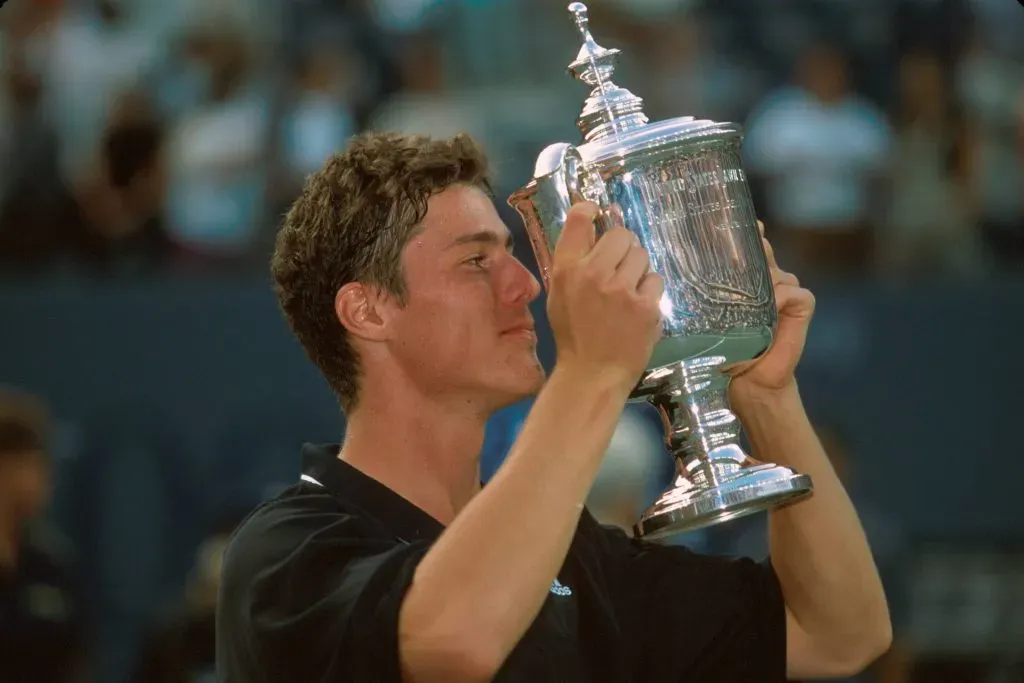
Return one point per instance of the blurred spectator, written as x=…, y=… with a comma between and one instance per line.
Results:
x=109, y=221
x=684, y=75
x=646, y=10
x=42, y=639
x=426, y=105
x=320, y=114
x=29, y=178
x=350, y=29
x=180, y=648
x=931, y=226
x=820, y=151
x=989, y=87
x=491, y=41
x=402, y=16
x=95, y=53
x=942, y=26
x=218, y=152
x=118, y=219
x=25, y=134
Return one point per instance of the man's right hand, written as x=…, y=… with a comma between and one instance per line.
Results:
x=603, y=300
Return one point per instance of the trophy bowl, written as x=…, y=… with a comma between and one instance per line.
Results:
x=679, y=185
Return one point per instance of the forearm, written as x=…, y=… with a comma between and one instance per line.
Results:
x=818, y=548
x=483, y=583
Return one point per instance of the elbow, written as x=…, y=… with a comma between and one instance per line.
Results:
x=454, y=658
x=472, y=660
x=439, y=643
x=879, y=642
x=864, y=649
x=877, y=637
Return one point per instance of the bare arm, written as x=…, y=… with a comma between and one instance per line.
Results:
x=837, y=616
x=479, y=588
x=514, y=535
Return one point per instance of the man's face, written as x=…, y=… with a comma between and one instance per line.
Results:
x=465, y=330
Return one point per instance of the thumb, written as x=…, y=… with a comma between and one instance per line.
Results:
x=796, y=307
x=578, y=234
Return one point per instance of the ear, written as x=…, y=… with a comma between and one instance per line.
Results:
x=358, y=308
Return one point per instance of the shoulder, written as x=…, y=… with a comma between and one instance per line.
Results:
x=311, y=587
x=290, y=527
x=306, y=541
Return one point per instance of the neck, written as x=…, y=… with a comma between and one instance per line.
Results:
x=425, y=450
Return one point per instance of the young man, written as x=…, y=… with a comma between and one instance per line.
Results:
x=388, y=562
x=42, y=631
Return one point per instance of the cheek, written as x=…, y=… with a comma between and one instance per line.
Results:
x=445, y=328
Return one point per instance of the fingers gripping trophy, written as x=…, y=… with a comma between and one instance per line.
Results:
x=679, y=186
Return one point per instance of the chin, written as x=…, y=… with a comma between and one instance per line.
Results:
x=525, y=384
x=535, y=377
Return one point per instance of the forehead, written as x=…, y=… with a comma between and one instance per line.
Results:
x=458, y=212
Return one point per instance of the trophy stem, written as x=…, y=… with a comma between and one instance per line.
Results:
x=717, y=480
x=701, y=431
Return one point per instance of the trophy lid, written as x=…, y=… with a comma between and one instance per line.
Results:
x=612, y=121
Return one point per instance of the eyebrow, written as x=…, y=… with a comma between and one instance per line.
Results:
x=484, y=237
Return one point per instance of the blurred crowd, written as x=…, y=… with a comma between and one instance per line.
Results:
x=141, y=138
x=138, y=136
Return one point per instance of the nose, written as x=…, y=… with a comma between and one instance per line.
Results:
x=522, y=286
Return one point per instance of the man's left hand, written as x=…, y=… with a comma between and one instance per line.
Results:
x=774, y=371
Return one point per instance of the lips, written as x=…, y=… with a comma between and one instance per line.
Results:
x=523, y=330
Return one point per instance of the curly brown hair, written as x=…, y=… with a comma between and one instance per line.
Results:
x=351, y=223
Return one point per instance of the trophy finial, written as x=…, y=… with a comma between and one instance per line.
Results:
x=609, y=109
x=579, y=13
x=593, y=64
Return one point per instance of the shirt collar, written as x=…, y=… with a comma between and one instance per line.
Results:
x=322, y=467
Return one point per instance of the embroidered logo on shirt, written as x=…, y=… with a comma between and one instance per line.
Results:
x=558, y=589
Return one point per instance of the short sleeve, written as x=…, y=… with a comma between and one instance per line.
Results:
x=691, y=617
x=312, y=599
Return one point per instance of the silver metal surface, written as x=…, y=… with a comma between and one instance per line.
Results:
x=680, y=186
x=716, y=480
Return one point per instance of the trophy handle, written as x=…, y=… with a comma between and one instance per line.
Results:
x=585, y=184
x=560, y=179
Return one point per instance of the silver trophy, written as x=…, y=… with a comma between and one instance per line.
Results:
x=679, y=185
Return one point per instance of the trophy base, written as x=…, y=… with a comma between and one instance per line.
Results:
x=688, y=507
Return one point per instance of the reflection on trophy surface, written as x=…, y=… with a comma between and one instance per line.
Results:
x=680, y=187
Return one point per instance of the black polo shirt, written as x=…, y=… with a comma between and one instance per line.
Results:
x=42, y=634
x=314, y=579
